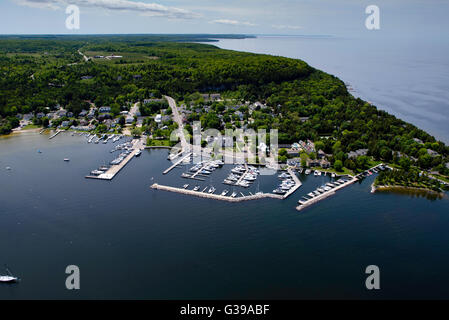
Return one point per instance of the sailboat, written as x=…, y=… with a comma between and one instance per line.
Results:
x=9, y=278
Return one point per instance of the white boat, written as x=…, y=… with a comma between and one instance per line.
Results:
x=225, y=192
x=234, y=194
x=96, y=172
x=284, y=175
x=307, y=171
x=315, y=173
x=211, y=190
x=66, y=159
x=196, y=188
x=279, y=191
x=138, y=153
x=9, y=278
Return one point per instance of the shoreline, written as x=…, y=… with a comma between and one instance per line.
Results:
x=398, y=188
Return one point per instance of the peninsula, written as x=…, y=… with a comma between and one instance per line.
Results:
x=116, y=84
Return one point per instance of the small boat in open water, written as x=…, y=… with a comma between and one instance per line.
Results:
x=9, y=278
x=66, y=159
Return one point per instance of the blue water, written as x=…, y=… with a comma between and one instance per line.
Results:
x=408, y=77
x=131, y=242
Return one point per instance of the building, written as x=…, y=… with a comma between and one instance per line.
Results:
x=27, y=116
x=313, y=163
x=211, y=96
x=104, y=109
x=321, y=154
x=60, y=113
x=357, y=153
x=293, y=152
x=158, y=118
x=325, y=164
x=129, y=119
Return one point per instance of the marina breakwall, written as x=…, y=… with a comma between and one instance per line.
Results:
x=215, y=196
x=227, y=198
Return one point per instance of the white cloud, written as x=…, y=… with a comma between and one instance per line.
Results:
x=281, y=26
x=148, y=9
x=233, y=22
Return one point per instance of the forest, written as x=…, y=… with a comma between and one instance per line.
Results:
x=39, y=73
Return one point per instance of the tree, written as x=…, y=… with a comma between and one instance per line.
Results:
x=338, y=165
x=405, y=163
x=135, y=132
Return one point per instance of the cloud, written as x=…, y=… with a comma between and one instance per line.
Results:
x=281, y=26
x=233, y=22
x=148, y=9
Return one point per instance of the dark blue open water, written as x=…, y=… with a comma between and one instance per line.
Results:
x=133, y=242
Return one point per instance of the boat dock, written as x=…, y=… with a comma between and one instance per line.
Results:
x=114, y=169
x=177, y=163
x=298, y=184
x=242, y=176
x=324, y=195
x=54, y=135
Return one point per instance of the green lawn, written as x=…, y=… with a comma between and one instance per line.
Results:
x=158, y=143
x=345, y=171
x=31, y=126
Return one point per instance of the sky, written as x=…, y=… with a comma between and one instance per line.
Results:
x=288, y=17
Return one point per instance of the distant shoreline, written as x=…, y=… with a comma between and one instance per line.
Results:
x=404, y=190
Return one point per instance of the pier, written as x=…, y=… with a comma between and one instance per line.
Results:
x=176, y=163
x=54, y=135
x=113, y=170
x=298, y=184
x=324, y=195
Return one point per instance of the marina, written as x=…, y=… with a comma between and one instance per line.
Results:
x=117, y=165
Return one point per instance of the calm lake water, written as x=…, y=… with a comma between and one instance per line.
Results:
x=132, y=242
x=408, y=77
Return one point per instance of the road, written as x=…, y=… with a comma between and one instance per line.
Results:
x=178, y=119
x=85, y=58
